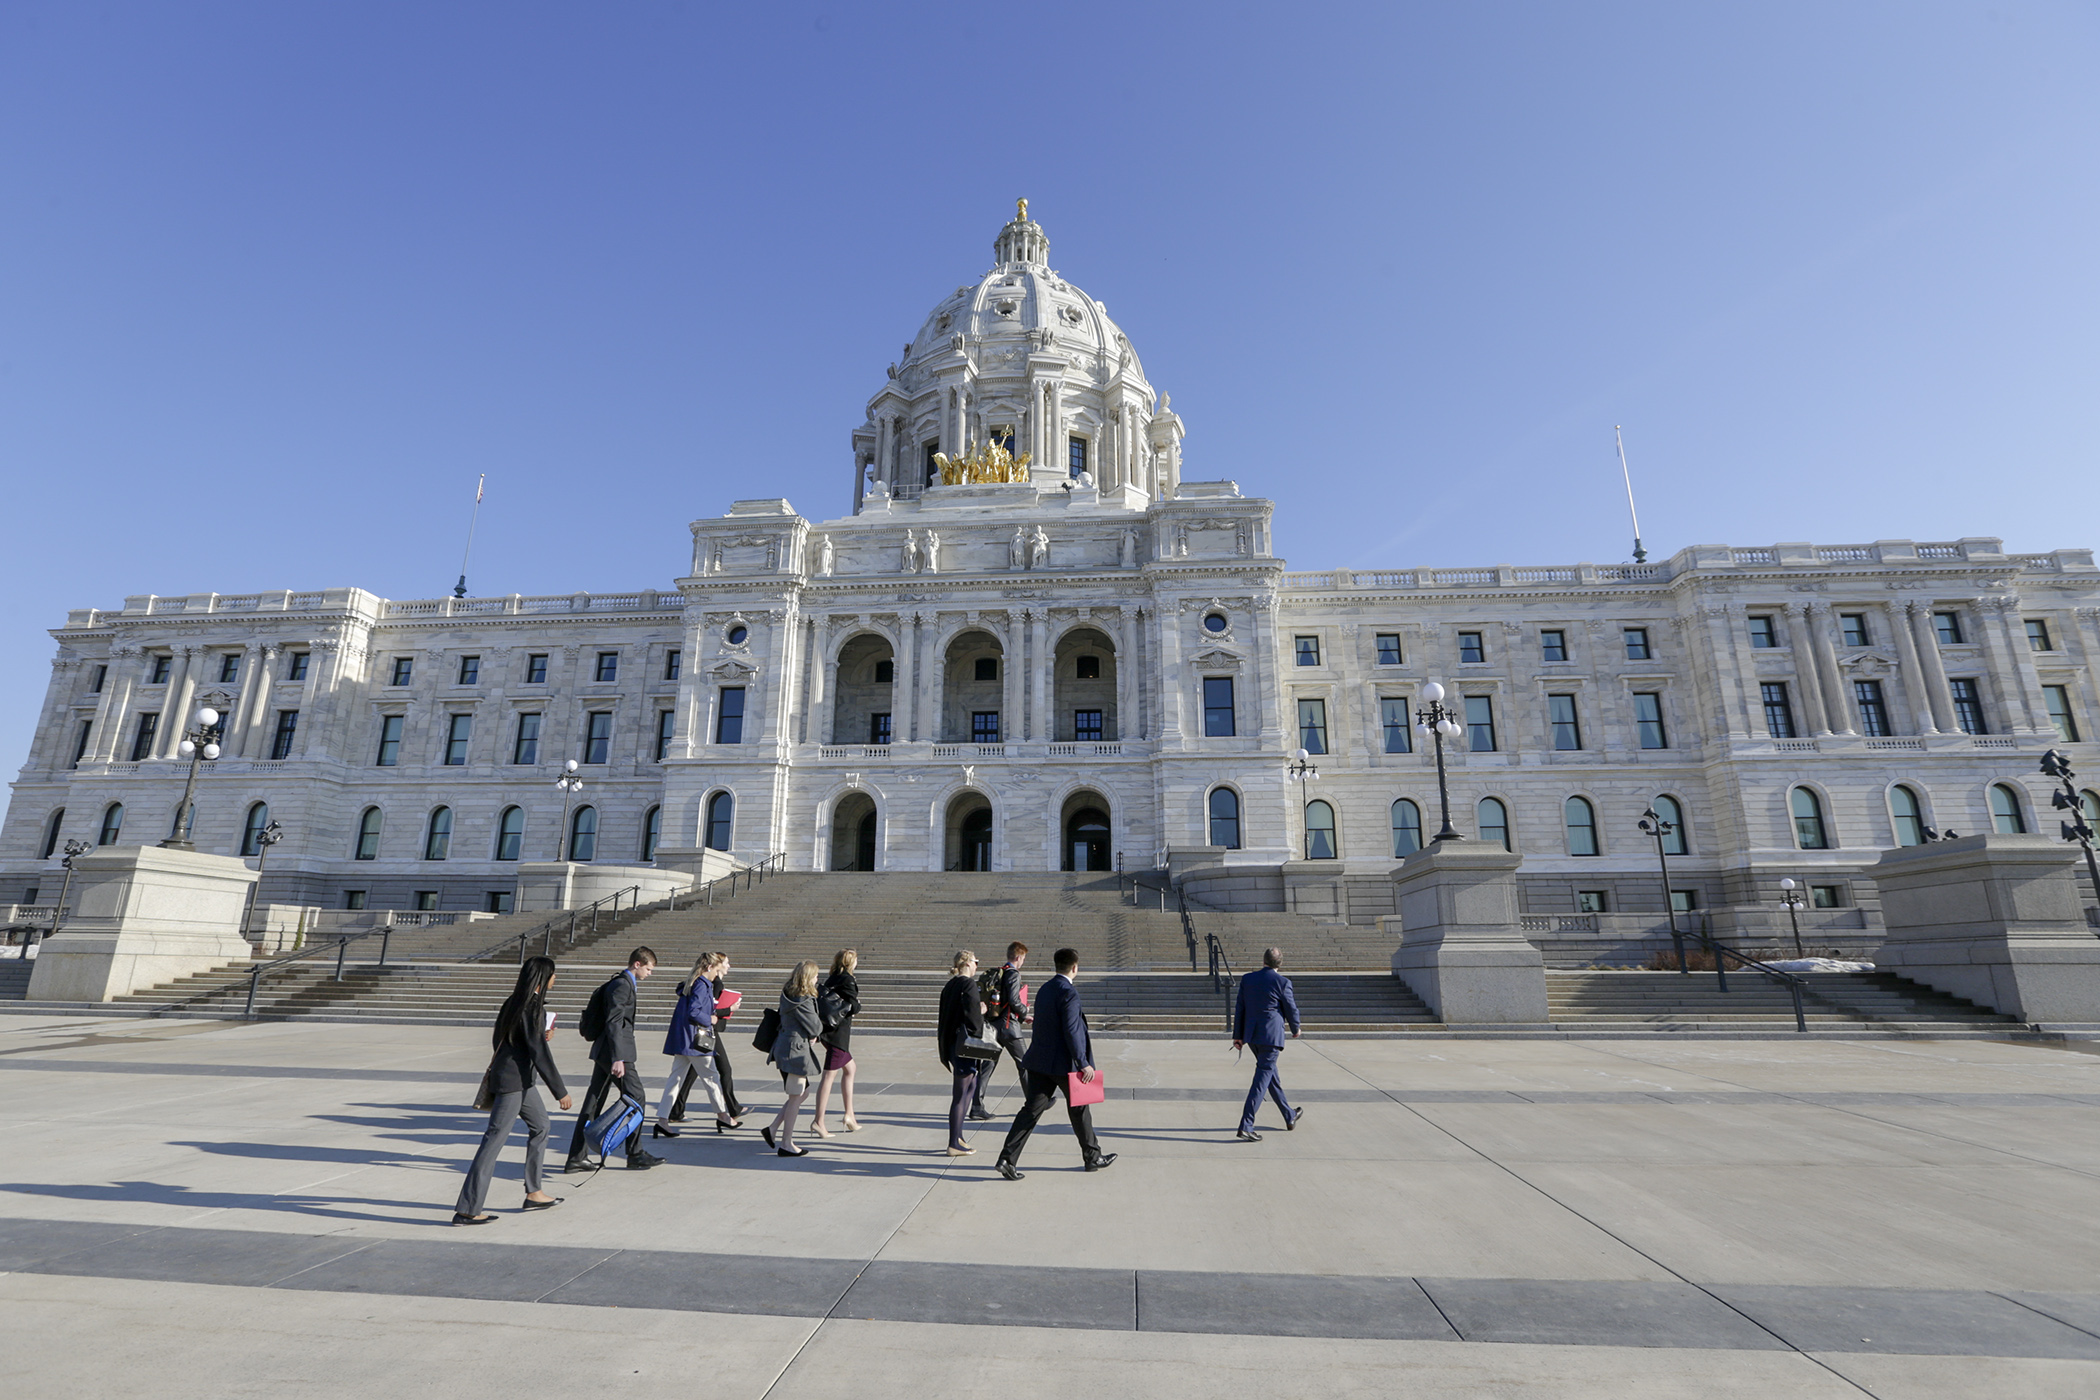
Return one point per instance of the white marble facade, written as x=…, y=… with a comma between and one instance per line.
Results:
x=1015, y=673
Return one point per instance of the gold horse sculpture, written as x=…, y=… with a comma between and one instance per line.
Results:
x=984, y=464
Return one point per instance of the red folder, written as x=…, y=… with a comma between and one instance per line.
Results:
x=1079, y=1094
x=728, y=1000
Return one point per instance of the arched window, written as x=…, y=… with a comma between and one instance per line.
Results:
x=2006, y=817
x=1225, y=818
x=652, y=832
x=1582, y=826
x=252, y=829
x=510, y=833
x=368, y=835
x=2090, y=801
x=51, y=833
x=1672, y=811
x=112, y=824
x=583, y=834
x=1407, y=828
x=1909, y=816
x=721, y=821
x=437, y=842
x=1494, y=822
x=1809, y=832
x=1319, y=831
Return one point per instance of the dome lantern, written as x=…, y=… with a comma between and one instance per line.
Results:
x=1023, y=240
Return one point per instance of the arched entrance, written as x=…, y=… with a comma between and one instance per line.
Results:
x=854, y=829
x=969, y=843
x=1088, y=843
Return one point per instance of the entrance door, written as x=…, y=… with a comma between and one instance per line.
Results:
x=864, y=844
x=1086, y=840
x=977, y=840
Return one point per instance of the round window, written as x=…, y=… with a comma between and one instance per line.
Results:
x=1214, y=622
x=737, y=635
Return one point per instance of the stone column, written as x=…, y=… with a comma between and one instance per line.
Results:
x=1913, y=671
x=240, y=725
x=823, y=681
x=1800, y=634
x=175, y=711
x=1039, y=677
x=1011, y=704
x=1172, y=683
x=324, y=669
x=47, y=745
x=933, y=680
x=1462, y=946
x=2011, y=663
x=1836, y=703
x=904, y=694
x=1127, y=723
x=1267, y=720
x=127, y=667
x=1934, y=670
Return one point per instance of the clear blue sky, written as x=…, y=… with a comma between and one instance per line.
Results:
x=277, y=280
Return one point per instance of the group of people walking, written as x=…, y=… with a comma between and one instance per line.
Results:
x=808, y=1038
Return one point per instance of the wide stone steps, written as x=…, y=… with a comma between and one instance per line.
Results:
x=1832, y=1000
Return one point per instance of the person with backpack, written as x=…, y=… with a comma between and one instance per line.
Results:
x=1006, y=999
x=961, y=1020
x=521, y=1059
x=837, y=1004
x=691, y=1043
x=793, y=1051
x=608, y=1023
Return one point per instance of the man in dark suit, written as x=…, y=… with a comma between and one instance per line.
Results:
x=1010, y=1014
x=1266, y=1006
x=1061, y=1047
x=612, y=1061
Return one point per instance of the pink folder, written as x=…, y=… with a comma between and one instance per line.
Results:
x=1079, y=1094
x=728, y=1000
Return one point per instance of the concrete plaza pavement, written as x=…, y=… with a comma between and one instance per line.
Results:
x=211, y=1208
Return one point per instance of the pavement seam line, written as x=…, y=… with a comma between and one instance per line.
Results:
x=2044, y=1312
x=594, y=1264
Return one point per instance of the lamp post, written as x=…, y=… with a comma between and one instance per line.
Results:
x=75, y=847
x=199, y=742
x=1791, y=898
x=264, y=839
x=2066, y=799
x=1432, y=720
x=1656, y=827
x=568, y=785
x=1304, y=770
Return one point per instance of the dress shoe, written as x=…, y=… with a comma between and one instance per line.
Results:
x=661, y=1131
x=1106, y=1159
x=980, y=1115
x=531, y=1204
x=963, y=1151
x=576, y=1164
x=767, y=1133
x=642, y=1161
x=721, y=1127
x=1249, y=1135
x=1006, y=1169
x=791, y=1152
x=1292, y=1125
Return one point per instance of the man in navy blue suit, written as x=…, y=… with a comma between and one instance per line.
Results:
x=1061, y=1047
x=1267, y=1005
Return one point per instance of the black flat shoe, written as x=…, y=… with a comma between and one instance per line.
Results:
x=661, y=1131
x=576, y=1164
x=1101, y=1163
x=482, y=1219
x=544, y=1205
x=767, y=1133
x=784, y=1152
x=1006, y=1169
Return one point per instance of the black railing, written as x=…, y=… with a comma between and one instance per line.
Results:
x=1222, y=979
x=341, y=947
x=1722, y=952
x=544, y=932
x=753, y=874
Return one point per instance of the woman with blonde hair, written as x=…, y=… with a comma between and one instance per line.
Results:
x=837, y=1004
x=691, y=1045
x=961, y=1018
x=793, y=1051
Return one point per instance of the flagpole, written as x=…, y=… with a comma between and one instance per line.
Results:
x=1640, y=553
x=460, y=589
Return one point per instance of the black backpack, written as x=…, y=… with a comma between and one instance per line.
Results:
x=591, y=1024
x=991, y=990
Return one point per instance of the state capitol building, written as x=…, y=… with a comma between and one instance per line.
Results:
x=1034, y=643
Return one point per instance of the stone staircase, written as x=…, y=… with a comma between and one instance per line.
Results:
x=1836, y=1001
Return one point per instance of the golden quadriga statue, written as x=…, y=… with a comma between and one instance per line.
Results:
x=984, y=464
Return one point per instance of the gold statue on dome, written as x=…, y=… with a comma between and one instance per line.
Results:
x=1021, y=217
x=985, y=464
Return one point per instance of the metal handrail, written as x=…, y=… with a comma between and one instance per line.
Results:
x=1722, y=951
x=774, y=862
x=1222, y=977
x=341, y=943
x=544, y=930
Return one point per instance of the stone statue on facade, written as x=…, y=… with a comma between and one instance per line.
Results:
x=827, y=557
x=1039, y=549
x=1130, y=548
x=933, y=551
x=911, y=551
x=1016, y=549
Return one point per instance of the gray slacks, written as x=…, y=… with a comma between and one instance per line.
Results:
x=508, y=1109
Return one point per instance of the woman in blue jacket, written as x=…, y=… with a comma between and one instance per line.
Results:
x=693, y=1027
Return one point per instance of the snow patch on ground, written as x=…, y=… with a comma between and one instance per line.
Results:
x=1820, y=965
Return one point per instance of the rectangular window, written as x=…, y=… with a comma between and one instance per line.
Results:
x=674, y=661
x=527, y=748
x=1779, y=712
x=459, y=730
x=470, y=670
x=142, y=741
x=1648, y=719
x=1312, y=726
x=1087, y=668
x=1684, y=901
x=1086, y=725
x=2058, y=699
x=1873, y=714
x=353, y=899
x=404, y=670
x=229, y=669
x=157, y=674
x=1308, y=650
x=729, y=717
x=536, y=668
x=87, y=727
x=1968, y=707
x=608, y=667
x=2037, y=636
x=1392, y=717
x=498, y=902
x=101, y=675
x=281, y=738
x=1762, y=634
x=1636, y=643
x=1567, y=733
x=986, y=669
x=984, y=726
x=1480, y=723
x=1076, y=456
x=1592, y=902
x=1471, y=647
x=1553, y=645
x=1217, y=707
x=1947, y=627
x=427, y=901
x=933, y=469
x=1853, y=628
x=879, y=729
x=597, y=736
x=1389, y=648
x=1827, y=896
x=666, y=726
x=389, y=741
x=295, y=669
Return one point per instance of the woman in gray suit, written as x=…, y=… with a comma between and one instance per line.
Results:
x=521, y=1057
x=795, y=1053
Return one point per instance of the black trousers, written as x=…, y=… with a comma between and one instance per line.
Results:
x=1043, y=1090
x=736, y=1109
x=594, y=1099
x=1010, y=1041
